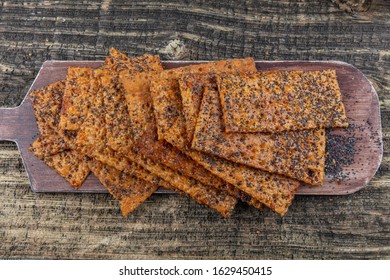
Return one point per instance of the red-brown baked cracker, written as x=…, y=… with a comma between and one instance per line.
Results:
x=299, y=155
x=118, y=121
x=70, y=165
x=92, y=139
x=165, y=92
x=47, y=104
x=128, y=190
x=281, y=101
x=53, y=146
x=140, y=112
x=79, y=94
x=276, y=192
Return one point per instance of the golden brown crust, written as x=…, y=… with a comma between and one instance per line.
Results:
x=299, y=155
x=281, y=101
x=128, y=190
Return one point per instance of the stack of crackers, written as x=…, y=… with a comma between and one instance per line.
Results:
x=218, y=132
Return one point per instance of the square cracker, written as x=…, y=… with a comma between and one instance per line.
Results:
x=52, y=145
x=128, y=190
x=296, y=154
x=166, y=98
x=281, y=101
x=70, y=165
x=118, y=122
x=92, y=139
x=276, y=192
x=78, y=96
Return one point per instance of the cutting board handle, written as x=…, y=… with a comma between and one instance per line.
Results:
x=12, y=123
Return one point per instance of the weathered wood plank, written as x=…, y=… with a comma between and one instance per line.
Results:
x=71, y=226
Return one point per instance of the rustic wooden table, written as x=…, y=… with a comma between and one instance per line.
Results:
x=169, y=226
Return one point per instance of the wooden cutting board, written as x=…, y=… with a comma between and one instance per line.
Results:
x=355, y=153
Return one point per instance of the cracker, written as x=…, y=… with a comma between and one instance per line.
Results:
x=128, y=190
x=78, y=96
x=123, y=65
x=118, y=121
x=281, y=101
x=53, y=144
x=167, y=101
x=92, y=139
x=276, y=192
x=48, y=145
x=140, y=112
x=139, y=108
x=70, y=165
x=297, y=154
x=219, y=200
x=47, y=104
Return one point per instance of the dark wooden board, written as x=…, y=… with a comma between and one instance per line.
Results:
x=360, y=98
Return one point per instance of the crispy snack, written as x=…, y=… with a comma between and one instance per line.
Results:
x=281, y=101
x=191, y=92
x=48, y=145
x=140, y=111
x=92, y=139
x=78, y=96
x=164, y=157
x=165, y=92
x=70, y=165
x=128, y=190
x=299, y=155
x=121, y=64
x=47, y=104
x=119, y=134
x=219, y=200
x=276, y=192
x=52, y=146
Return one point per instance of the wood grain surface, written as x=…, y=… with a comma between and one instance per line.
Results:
x=32, y=225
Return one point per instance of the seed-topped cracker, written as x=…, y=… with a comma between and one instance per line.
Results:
x=296, y=154
x=140, y=111
x=47, y=104
x=78, y=96
x=165, y=92
x=53, y=145
x=70, y=165
x=118, y=121
x=281, y=101
x=165, y=161
x=92, y=139
x=128, y=190
x=276, y=192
